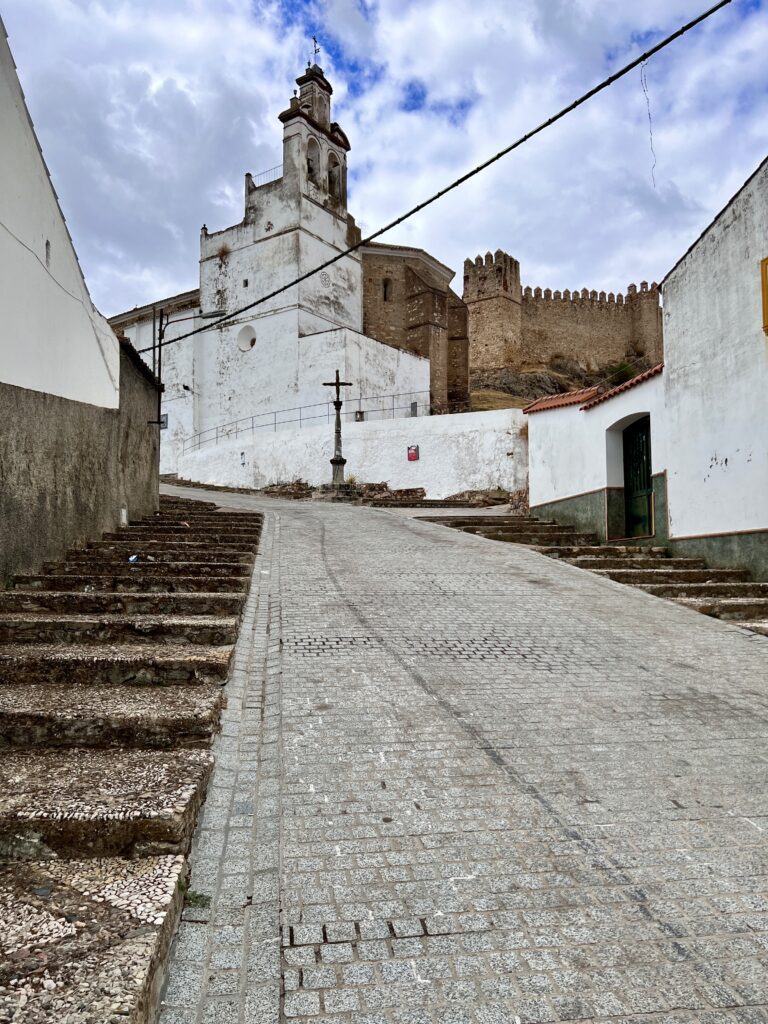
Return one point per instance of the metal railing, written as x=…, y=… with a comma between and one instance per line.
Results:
x=271, y=174
x=375, y=407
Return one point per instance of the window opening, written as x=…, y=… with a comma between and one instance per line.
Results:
x=47, y=252
x=387, y=290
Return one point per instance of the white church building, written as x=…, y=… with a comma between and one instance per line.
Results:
x=264, y=369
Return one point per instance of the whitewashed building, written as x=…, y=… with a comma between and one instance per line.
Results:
x=79, y=435
x=265, y=368
x=680, y=454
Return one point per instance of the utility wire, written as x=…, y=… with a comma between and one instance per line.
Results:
x=459, y=181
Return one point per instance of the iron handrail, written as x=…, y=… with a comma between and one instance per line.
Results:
x=387, y=407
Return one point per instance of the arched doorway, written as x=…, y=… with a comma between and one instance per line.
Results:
x=638, y=482
x=629, y=478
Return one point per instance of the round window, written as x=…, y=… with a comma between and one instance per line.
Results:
x=246, y=339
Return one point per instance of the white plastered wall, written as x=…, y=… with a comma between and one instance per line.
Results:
x=574, y=452
x=456, y=453
x=716, y=376
x=53, y=339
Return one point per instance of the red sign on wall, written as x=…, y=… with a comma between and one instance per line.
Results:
x=413, y=453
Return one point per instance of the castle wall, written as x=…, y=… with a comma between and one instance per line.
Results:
x=591, y=329
x=514, y=328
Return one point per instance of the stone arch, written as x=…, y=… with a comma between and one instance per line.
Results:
x=314, y=162
x=334, y=177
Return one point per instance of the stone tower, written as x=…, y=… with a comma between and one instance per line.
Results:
x=493, y=297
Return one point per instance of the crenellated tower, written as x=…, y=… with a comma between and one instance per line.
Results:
x=493, y=297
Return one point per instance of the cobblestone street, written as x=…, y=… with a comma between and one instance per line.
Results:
x=461, y=782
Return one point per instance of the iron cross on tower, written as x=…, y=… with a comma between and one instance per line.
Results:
x=316, y=50
x=338, y=461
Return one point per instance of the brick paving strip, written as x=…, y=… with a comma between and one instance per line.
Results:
x=112, y=665
x=462, y=782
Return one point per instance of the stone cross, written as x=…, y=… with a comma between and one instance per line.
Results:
x=338, y=461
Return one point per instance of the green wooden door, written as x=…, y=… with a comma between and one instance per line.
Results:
x=638, y=484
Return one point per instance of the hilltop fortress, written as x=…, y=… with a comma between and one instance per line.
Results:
x=511, y=327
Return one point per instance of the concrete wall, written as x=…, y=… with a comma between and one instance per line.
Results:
x=716, y=376
x=52, y=338
x=68, y=469
x=462, y=452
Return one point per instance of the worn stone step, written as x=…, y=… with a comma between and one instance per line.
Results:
x=743, y=608
x=98, y=567
x=49, y=628
x=481, y=520
x=537, y=539
x=61, y=715
x=756, y=625
x=127, y=664
x=221, y=531
x=126, y=582
x=198, y=519
x=162, y=552
x=566, y=551
x=84, y=941
x=82, y=802
x=644, y=576
x=512, y=529
x=244, y=541
x=711, y=590
x=106, y=603
x=637, y=562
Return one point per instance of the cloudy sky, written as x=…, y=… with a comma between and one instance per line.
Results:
x=150, y=111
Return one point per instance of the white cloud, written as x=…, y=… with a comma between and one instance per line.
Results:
x=149, y=114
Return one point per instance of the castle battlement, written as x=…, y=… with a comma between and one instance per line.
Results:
x=586, y=296
x=496, y=275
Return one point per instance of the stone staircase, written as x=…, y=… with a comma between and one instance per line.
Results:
x=112, y=664
x=722, y=593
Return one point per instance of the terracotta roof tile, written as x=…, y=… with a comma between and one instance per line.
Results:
x=558, y=401
x=639, y=379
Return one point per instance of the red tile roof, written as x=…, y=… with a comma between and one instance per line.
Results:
x=641, y=378
x=558, y=401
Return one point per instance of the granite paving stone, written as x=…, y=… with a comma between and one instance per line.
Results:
x=461, y=782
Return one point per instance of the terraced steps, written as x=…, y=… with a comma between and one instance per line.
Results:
x=112, y=664
x=111, y=603
x=722, y=593
x=594, y=562
x=138, y=583
x=83, y=940
x=80, y=802
x=111, y=677
x=54, y=627
x=61, y=715
x=662, y=575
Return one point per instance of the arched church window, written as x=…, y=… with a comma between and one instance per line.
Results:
x=387, y=290
x=313, y=162
x=334, y=177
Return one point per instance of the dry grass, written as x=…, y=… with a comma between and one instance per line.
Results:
x=484, y=401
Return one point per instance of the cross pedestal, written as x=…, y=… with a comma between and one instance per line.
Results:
x=338, y=490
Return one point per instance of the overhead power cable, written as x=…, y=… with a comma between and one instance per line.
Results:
x=459, y=181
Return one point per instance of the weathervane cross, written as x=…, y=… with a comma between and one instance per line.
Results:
x=317, y=48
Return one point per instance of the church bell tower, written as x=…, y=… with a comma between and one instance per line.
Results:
x=315, y=144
